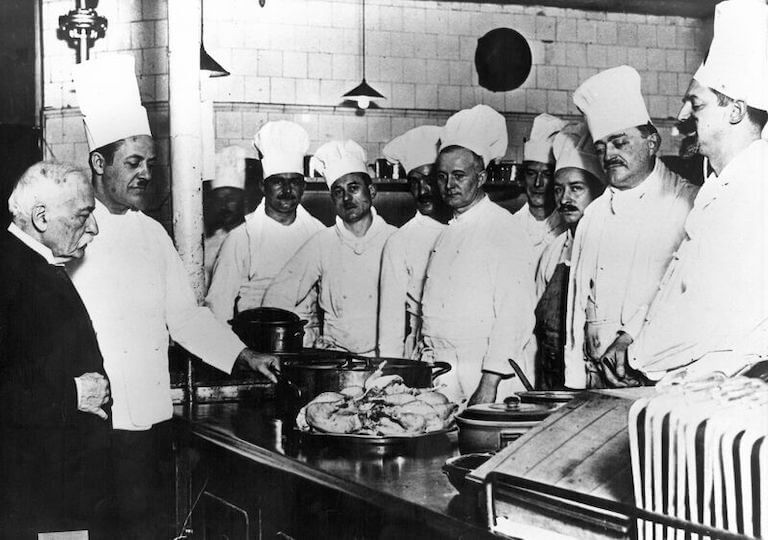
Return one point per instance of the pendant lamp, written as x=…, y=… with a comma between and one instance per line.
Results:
x=208, y=66
x=363, y=93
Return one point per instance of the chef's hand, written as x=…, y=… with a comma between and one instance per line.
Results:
x=486, y=389
x=255, y=361
x=614, y=363
x=93, y=393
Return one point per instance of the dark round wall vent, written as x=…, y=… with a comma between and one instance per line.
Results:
x=502, y=59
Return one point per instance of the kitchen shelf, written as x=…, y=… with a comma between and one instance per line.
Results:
x=402, y=187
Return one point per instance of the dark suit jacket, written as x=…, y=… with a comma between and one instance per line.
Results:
x=53, y=458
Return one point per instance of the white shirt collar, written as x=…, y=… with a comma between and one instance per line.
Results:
x=621, y=199
x=34, y=245
x=472, y=213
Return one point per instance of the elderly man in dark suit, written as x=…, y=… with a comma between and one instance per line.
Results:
x=54, y=427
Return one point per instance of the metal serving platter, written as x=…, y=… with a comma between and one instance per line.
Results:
x=378, y=445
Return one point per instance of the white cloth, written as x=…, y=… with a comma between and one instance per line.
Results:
x=251, y=256
x=714, y=296
x=622, y=247
x=334, y=159
x=211, y=248
x=414, y=148
x=282, y=145
x=557, y=252
x=109, y=100
x=611, y=101
x=230, y=168
x=539, y=234
x=478, y=297
x=137, y=292
x=538, y=147
x=403, y=271
x=346, y=270
x=737, y=62
x=480, y=129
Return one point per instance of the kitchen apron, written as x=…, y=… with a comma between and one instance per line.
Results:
x=599, y=333
x=465, y=357
x=550, y=331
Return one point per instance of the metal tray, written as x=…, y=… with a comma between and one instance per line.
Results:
x=378, y=445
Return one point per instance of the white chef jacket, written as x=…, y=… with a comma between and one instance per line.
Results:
x=478, y=297
x=712, y=307
x=137, y=292
x=403, y=270
x=346, y=270
x=621, y=250
x=252, y=255
x=211, y=247
x=557, y=252
x=538, y=233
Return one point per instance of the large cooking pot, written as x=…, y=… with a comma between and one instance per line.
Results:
x=492, y=426
x=270, y=330
x=313, y=378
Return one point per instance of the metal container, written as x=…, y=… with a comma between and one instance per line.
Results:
x=270, y=330
x=492, y=426
x=316, y=377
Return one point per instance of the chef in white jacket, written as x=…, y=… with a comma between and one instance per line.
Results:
x=627, y=236
x=343, y=261
x=137, y=291
x=254, y=252
x=711, y=313
x=404, y=262
x=478, y=297
x=538, y=218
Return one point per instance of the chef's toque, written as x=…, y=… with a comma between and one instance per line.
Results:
x=230, y=168
x=737, y=63
x=282, y=145
x=334, y=159
x=538, y=147
x=611, y=101
x=479, y=129
x=573, y=147
x=414, y=148
x=109, y=100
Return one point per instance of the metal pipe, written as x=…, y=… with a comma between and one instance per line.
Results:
x=185, y=135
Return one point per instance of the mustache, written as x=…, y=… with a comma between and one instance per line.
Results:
x=286, y=197
x=614, y=162
x=686, y=127
x=567, y=208
x=424, y=199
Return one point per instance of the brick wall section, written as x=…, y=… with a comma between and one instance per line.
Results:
x=295, y=58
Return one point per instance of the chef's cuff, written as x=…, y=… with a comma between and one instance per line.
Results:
x=78, y=392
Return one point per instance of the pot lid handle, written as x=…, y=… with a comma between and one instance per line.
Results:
x=512, y=402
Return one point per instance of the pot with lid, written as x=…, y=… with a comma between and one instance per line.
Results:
x=270, y=330
x=492, y=426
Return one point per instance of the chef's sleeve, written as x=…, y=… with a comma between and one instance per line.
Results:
x=296, y=279
x=393, y=288
x=229, y=271
x=194, y=327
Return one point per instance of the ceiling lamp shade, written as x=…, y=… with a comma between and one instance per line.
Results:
x=363, y=93
x=209, y=65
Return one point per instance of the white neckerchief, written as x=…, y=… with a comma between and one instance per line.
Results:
x=621, y=199
x=359, y=244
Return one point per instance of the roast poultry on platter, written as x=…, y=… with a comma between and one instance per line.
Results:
x=384, y=407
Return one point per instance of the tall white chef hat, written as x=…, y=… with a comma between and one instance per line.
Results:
x=230, y=168
x=282, y=145
x=538, y=147
x=414, y=148
x=737, y=63
x=109, y=100
x=573, y=147
x=479, y=129
x=611, y=101
x=334, y=159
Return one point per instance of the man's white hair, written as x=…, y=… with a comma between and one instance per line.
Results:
x=38, y=185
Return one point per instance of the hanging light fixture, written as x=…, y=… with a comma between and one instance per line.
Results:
x=208, y=66
x=363, y=93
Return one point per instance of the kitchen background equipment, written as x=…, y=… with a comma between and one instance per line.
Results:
x=332, y=375
x=424, y=444
x=457, y=468
x=270, y=330
x=492, y=426
x=551, y=397
x=503, y=60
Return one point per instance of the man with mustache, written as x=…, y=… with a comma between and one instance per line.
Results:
x=254, y=252
x=404, y=263
x=224, y=206
x=136, y=290
x=537, y=217
x=628, y=235
x=579, y=179
x=478, y=295
x=711, y=313
x=343, y=261
x=54, y=427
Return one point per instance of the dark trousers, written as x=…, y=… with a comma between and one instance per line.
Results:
x=143, y=465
